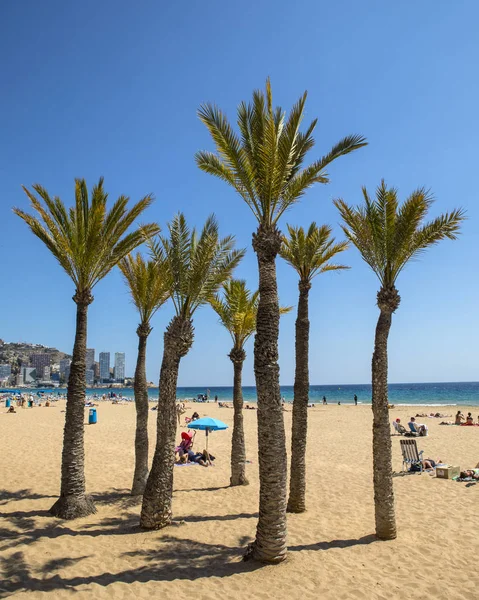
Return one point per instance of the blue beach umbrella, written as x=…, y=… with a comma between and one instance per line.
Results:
x=208, y=424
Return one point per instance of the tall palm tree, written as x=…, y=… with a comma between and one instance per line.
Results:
x=264, y=164
x=309, y=254
x=237, y=310
x=87, y=241
x=389, y=235
x=197, y=266
x=150, y=289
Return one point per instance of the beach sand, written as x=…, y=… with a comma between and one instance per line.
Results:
x=332, y=551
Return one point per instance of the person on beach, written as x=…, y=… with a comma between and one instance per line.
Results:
x=355, y=400
x=459, y=417
x=180, y=409
x=186, y=444
x=324, y=400
x=416, y=427
x=11, y=409
x=469, y=419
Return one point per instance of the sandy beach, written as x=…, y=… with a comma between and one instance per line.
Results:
x=332, y=552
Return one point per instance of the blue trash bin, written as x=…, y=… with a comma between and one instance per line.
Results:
x=7, y=403
x=92, y=416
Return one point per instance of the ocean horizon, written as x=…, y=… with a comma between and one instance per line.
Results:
x=402, y=394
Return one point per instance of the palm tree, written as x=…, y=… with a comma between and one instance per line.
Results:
x=88, y=242
x=197, y=266
x=264, y=164
x=149, y=289
x=388, y=236
x=309, y=254
x=237, y=311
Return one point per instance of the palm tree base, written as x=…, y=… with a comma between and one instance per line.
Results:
x=254, y=553
x=386, y=535
x=239, y=481
x=73, y=507
x=295, y=508
x=158, y=521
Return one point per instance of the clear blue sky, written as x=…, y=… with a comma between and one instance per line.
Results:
x=111, y=88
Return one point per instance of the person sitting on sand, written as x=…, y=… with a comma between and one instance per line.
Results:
x=193, y=417
x=11, y=409
x=469, y=419
x=398, y=427
x=459, y=417
x=186, y=443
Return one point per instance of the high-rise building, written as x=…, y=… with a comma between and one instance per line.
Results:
x=5, y=371
x=46, y=373
x=104, y=366
x=96, y=370
x=90, y=377
x=119, y=366
x=90, y=358
x=39, y=362
x=64, y=363
x=29, y=375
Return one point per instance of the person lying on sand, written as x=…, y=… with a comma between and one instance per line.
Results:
x=248, y=407
x=469, y=473
x=427, y=464
x=202, y=458
x=223, y=405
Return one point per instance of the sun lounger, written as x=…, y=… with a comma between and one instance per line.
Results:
x=410, y=455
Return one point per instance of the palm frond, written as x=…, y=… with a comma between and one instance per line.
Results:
x=148, y=283
x=264, y=162
x=388, y=235
x=237, y=308
x=310, y=253
x=197, y=265
x=86, y=240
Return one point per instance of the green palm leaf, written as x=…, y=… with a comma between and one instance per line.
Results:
x=388, y=235
x=196, y=265
x=86, y=240
x=264, y=162
x=310, y=253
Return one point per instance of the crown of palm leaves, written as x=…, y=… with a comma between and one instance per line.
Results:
x=388, y=234
x=148, y=283
x=237, y=308
x=197, y=265
x=264, y=163
x=87, y=240
x=310, y=253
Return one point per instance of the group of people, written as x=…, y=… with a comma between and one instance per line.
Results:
x=414, y=427
x=460, y=419
x=185, y=454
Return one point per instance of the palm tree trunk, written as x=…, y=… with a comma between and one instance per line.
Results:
x=238, y=452
x=156, y=508
x=382, y=463
x=297, y=481
x=270, y=543
x=141, y=404
x=73, y=501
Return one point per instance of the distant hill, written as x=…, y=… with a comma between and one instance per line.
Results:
x=18, y=354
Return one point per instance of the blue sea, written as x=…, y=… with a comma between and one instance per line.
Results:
x=426, y=394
